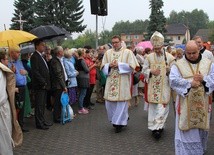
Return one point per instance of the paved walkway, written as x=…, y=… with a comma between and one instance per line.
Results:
x=92, y=134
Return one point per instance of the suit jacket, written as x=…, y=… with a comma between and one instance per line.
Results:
x=57, y=74
x=40, y=72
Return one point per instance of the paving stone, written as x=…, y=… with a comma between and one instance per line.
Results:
x=92, y=134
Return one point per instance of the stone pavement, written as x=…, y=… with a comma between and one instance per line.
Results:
x=92, y=134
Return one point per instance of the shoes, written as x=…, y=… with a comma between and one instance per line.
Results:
x=161, y=130
x=48, y=124
x=25, y=130
x=156, y=134
x=83, y=111
x=118, y=128
x=43, y=127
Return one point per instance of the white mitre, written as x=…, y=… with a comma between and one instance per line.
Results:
x=157, y=39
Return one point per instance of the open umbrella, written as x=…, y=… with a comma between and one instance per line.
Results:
x=48, y=32
x=27, y=49
x=145, y=44
x=15, y=37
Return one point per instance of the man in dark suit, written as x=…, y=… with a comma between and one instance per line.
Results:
x=40, y=84
x=58, y=78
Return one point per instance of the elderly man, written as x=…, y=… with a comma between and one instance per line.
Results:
x=193, y=79
x=58, y=80
x=11, y=134
x=16, y=65
x=156, y=68
x=117, y=64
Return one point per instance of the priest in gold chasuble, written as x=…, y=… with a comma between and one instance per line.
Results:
x=192, y=77
x=118, y=63
x=156, y=69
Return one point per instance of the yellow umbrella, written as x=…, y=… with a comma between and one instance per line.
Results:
x=15, y=37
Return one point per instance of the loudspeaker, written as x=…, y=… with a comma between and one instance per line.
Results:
x=103, y=8
x=99, y=7
x=94, y=6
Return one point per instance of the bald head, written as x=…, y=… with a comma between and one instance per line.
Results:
x=191, y=45
x=192, y=51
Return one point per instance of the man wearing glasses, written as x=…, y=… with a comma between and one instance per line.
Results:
x=118, y=64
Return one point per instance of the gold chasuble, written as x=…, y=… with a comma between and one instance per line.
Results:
x=159, y=90
x=195, y=106
x=118, y=85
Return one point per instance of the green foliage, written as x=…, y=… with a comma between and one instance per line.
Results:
x=25, y=7
x=138, y=27
x=88, y=38
x=195, y=20
x=63, y=13
x=105, y=37
x=157, y=20
x=211, y=26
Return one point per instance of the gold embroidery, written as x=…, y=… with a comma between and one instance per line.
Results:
x=197, y=109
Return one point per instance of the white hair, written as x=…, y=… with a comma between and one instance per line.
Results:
x=139, y=49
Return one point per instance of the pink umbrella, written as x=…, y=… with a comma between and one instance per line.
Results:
x=145, y=44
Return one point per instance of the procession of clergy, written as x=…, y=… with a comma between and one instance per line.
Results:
x=190, y=78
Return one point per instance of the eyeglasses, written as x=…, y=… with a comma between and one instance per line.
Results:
x=116, y=42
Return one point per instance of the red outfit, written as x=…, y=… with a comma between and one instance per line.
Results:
x=92, y=72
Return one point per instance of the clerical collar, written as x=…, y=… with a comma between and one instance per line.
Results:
x=202, y=50
x=196, y=61
x=118, y=49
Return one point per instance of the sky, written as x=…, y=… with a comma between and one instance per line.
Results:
x=119, y=10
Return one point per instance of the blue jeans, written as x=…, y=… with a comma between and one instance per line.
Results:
x=82, y=94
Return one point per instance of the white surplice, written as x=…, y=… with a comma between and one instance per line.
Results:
x=118, y=83
x=158, y=89
x=194, y=140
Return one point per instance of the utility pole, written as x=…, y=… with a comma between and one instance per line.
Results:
x=96, y=43
x=21, y=22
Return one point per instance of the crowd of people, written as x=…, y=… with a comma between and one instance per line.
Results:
x=33, y=82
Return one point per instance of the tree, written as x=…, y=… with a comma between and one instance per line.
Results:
x=88, y=38
x=105, y=37
x=25, y=9
x=138, y=27
x=211, y=27
x=63, y=13
x=121, y=27
x=157, y=19
x=195, y=20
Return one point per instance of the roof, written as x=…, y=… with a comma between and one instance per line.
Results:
x=176, y=29
x=204, y=33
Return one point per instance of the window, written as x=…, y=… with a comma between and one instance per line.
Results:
x=136, y=36
x=128, y=37
x=179, y=38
